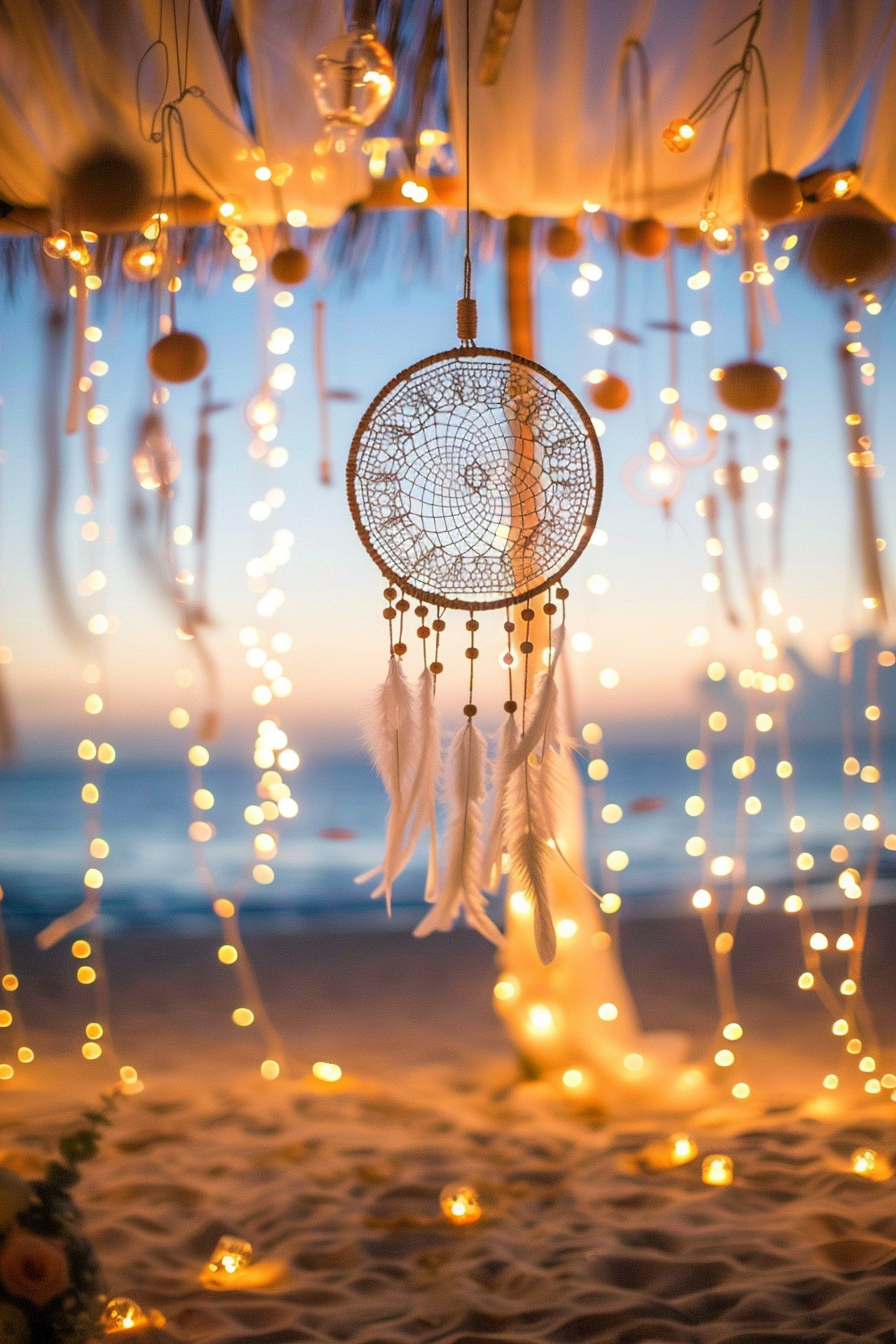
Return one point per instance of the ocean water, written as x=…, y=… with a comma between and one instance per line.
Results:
x=151, y=878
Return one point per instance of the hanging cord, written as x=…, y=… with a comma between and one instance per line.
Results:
x=466, y=307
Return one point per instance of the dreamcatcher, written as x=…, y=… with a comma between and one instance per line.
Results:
x=474, y=481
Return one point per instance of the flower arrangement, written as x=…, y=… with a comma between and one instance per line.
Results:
x=51, y=1290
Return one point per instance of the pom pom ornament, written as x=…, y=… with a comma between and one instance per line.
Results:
x=563, y=240
x=611, y=393
x=646, y=238
x=851, y=251
x=750, y=387
x=774, y=196
x=290, y=266
x=178, y=357
x=106, y=188
x=354, y=79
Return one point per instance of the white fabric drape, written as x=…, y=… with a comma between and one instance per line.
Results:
x=878, y=154
x=68, y=77
x=282, y=38
x=542, y=138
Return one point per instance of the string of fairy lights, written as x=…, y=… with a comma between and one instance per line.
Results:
x=264, y=648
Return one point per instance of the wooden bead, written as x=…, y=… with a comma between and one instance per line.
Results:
x=510, y=706
x=423, y=632
x=509, y=626
x=472, y=625
x=563, y=594
x=400, y=649
x=527, y=614
x=472, y=653
x=390, y=593
x=421, y=611
x=438, y=625
x=435, y=668
x=403, y=605
x=389, y=613
x=507, y=659
x=550, y=608
x=470, y=711
x=527, y=646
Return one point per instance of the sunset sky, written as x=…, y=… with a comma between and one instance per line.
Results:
x=639, y=627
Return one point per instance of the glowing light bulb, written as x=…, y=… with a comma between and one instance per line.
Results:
x=718, y=1169
x=868, y=1163
x=230, y=1256
x=460, y=1204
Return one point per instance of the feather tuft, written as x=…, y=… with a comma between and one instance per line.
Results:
x=392, y=740
x=508, y=740
x=460, y=886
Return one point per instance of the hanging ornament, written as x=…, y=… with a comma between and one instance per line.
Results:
x=354, y=79
x=651, y=479
x=610, y=393
x=156, y=461
x=647, y=238
x=632, y=190
x=178, y=357
x=58, y=244
x=474, y=481
x=774, y=196
x=851, y=251
x=144, y=261
x=106, y=188
x=563, y=240
x=290, y=266
x=750, y=387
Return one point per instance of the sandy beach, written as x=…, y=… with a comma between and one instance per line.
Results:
x=336, y=1185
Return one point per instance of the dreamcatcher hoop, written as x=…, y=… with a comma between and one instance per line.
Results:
x=475, y=479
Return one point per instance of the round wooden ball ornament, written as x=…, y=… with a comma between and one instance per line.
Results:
x=646, y=238
x=774, y=196
x=106, y=187
x=290, y=266
x=563, y=241
x=849, y=249
x=611, y=393
x=750, y=387
x=178, y=357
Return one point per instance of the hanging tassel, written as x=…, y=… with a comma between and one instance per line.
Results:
x=392, y=741
x=460, y=887
x=508, y=745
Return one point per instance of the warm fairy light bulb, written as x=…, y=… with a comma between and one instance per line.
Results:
x=679, y=135
x=682, y=1149
x=541, y=1019
x=121, y=1315
x=326, y=1073
x=573, y=1078
x=230, y=1256
x=504, y=990
x=868, y=1163
x=718, y=1169
x=701, y=900
x=460, y=1204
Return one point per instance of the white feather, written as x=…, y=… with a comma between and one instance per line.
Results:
x=530, y=854
x=460, y=886
x=419, y=801
x=507, y=745
x=392, y=739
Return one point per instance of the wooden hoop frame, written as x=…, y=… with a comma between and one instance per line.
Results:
x=588, y=523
